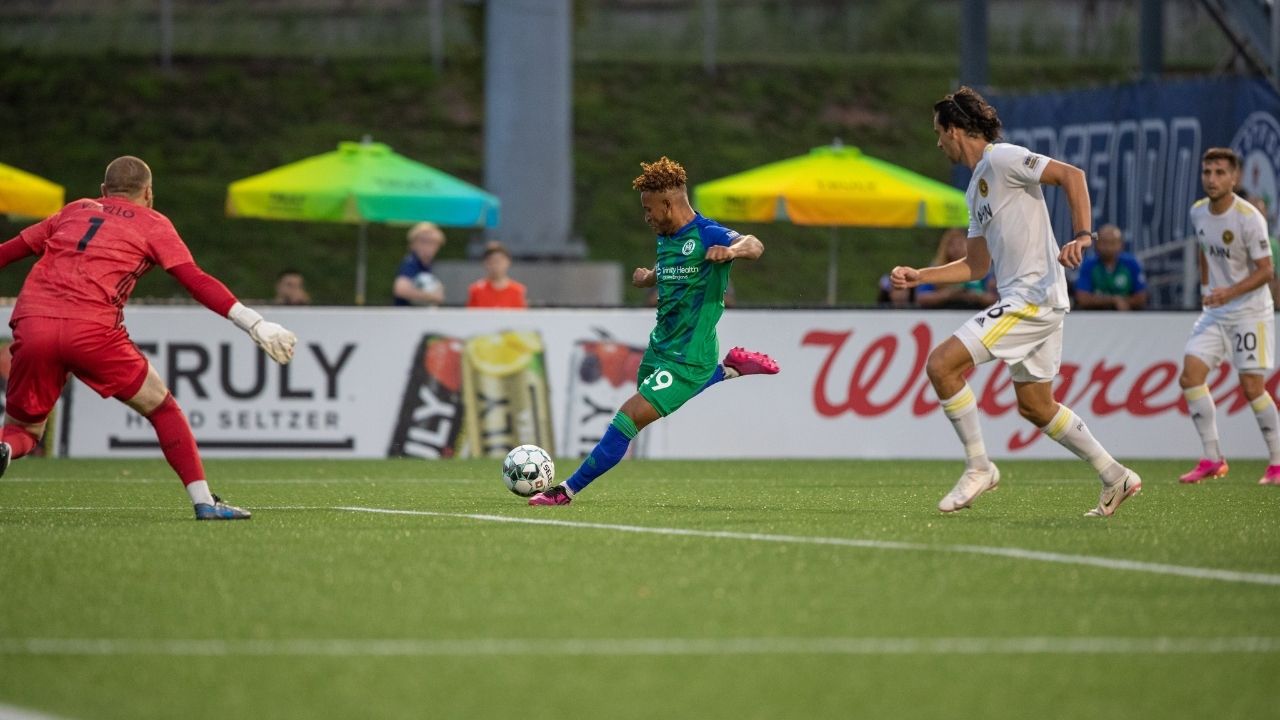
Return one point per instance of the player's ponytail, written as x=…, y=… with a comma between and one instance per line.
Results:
x=967, y=110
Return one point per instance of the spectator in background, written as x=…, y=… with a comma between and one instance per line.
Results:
x=496, y=289
x=1110, y=279
x=291, y=289
x=971, y=295
x=414, y=283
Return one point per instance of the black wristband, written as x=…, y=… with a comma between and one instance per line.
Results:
x=1092, y=235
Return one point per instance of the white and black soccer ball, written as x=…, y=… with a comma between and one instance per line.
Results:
x=426, y=282
x=527, y=470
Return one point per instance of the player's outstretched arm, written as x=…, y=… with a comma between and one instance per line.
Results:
x=31, y=241
x=973, y=266
x=271, y=337
x=904, y=277
x=746, y=247
x=210, y=292
x=13, y=250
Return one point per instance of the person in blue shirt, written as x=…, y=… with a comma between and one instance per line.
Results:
x=414, y=283
x=1111, y=279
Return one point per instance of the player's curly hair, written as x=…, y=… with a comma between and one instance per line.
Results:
x=659, y=176
x=967, y=110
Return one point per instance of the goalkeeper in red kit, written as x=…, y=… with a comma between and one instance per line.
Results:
x=69, y=313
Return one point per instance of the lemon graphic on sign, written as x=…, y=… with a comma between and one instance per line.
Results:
x=503, y=353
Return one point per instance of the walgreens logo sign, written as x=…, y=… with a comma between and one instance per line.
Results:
x=1135, y=387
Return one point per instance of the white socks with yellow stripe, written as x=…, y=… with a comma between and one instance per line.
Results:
x=1264, y=409
x=1204, y=414
x=1070, y=432
x=962, y=410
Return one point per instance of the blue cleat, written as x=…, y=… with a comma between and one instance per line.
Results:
x=220, y=511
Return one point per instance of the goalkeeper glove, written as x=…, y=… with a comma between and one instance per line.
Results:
x=271, y=337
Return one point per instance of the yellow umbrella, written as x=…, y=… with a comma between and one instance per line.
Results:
x=834, y=186
x=25, y=195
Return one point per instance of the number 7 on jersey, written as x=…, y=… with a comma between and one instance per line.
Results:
x=94, y=225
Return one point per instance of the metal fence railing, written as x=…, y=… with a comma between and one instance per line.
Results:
x=708, y=31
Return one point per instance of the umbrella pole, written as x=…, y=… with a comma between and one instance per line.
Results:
x=831, y=269
x=362, y=261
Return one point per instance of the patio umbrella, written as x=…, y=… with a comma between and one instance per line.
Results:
x=25, y=195
x=360, y=183
x=836, y=186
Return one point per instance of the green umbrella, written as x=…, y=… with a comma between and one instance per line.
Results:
x=360, y=183
x=833, y=186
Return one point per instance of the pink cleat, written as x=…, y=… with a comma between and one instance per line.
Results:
x=1205, y=470
x=1271, y=476
x=745, y=362
x=552, y=496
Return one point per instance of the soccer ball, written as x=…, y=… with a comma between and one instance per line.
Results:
x=527, y=470
x=426, y=282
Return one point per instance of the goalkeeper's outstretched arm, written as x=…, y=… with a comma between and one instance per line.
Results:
x=210, y=292
x=14, y=249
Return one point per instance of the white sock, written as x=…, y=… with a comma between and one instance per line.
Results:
x=199, y=492
x=1264, y=409
x=1071, y=433
x=1205, y=416
x=962, y=410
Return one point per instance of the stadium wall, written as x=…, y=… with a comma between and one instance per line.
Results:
x=445, y=382
x=1140, y=144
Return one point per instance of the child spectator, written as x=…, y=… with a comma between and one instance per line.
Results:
x=496, y=289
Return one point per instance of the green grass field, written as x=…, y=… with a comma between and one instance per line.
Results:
x=793, y=589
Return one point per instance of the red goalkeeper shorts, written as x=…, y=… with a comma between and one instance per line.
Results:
x=46, y=349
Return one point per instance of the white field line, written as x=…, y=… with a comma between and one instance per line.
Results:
x=318, y=647
x=252, y=481
x=1199, y=573
x=1016, y=553
x=402, y=480
x=146, y=508
x=13, y=712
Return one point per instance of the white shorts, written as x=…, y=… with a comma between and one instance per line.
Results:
x=1028, y=338
x=1248, y=344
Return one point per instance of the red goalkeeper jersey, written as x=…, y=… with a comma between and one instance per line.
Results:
x=92, y=253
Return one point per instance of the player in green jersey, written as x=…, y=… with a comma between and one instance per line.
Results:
x=682, y=360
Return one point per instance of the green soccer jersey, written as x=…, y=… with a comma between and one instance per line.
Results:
x=690, y=293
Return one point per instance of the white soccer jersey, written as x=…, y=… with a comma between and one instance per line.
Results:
x=1231, y=243
x=1006, y=206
